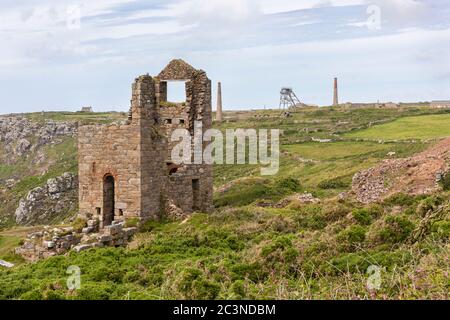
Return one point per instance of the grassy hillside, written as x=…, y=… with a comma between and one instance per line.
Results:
x=58, y=158
x=246, y=250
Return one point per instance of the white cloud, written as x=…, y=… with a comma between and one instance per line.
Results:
x=279, y=6
x=217, y=11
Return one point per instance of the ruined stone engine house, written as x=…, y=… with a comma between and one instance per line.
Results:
x=125, y=170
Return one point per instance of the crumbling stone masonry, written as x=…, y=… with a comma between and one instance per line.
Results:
x=125, y=169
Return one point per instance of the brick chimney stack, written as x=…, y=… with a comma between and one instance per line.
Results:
x=219, y=103
x=335, y=95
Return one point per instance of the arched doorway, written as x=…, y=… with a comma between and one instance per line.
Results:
x=108, y=200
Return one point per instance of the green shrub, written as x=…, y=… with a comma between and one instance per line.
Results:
x=279, y=254
x=363, y=216
x=79, y=224
x=427, y=204
x=336, y=183
x=132, y=222
x=95, y=291
x=238, y=289
x=150, y=225
x=193, y=285
x=32, y=295
x=252, y=271
x=397, y=229
x=400, y=199
x=360, y=261
x=335, y=212
x=288, y=184
x=441, y=229
x=352, y=237
x=445, y=182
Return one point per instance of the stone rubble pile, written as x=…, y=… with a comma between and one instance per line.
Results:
x=416, y=175
x=57, y=241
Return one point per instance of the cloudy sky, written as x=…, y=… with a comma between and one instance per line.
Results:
x=64, y=54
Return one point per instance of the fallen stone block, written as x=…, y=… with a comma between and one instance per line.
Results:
x=82, y=247
x=113, y=229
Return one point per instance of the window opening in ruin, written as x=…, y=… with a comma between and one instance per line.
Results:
x=172, y=167
x=120, y=212
x=181, y=121
x=99, y=211
x=108, y=200
x=176, y=91
x=168, y=121
x=195, y=194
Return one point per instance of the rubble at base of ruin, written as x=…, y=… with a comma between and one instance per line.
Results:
x=56, y=241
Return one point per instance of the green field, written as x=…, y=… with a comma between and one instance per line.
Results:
x=408, y=128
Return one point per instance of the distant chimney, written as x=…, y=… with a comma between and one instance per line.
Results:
x=219, y=103
x=335, y=95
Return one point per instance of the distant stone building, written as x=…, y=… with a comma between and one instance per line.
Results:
x=87, y=109
x=377, y=105
x=443, y=104
x=125, y=170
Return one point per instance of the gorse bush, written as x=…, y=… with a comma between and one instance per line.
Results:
x=445, y=182
x=396, y=230
x=400, y=199
x=193, y=285
x=363, y=216
x=429, y=204
x=336, y=183
x=441, y=229
x=288, y=185
x=352, y=237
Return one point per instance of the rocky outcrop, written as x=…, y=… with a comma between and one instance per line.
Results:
x=21, y=136
x=43, y=204
x=56, y=241
x=416, y=175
